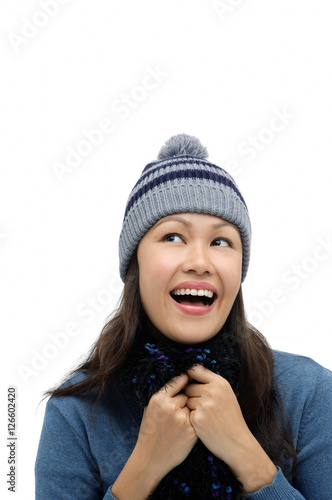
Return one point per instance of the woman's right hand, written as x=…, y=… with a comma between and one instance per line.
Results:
x=166, y=435
x=165, y=439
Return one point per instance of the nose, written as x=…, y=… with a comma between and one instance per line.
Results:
x=197, y=260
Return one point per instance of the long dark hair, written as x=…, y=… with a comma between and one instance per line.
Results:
x=258, y=398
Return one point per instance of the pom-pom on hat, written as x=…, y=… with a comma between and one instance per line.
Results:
x=182, y=180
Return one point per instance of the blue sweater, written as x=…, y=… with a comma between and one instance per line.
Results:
x=79, y=458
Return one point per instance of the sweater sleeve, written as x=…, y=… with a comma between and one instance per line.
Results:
x=313, y=476
x=65, y=468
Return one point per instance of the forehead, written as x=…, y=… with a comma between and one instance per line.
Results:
x=191, y=218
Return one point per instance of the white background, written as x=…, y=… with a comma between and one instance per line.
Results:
x=225, y=72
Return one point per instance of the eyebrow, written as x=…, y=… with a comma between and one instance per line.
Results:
x=177, y=218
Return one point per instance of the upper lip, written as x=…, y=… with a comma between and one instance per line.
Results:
x=196, y=285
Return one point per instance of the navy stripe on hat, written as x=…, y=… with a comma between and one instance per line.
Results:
x=182, y=174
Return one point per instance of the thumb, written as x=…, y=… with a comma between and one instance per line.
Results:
x=175, y=385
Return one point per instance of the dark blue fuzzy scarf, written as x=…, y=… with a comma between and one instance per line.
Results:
x=201, y=475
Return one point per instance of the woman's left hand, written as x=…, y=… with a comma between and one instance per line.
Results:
x=215, y=413
x=218, y=421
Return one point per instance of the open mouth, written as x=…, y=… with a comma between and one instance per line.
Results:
x=189, y=297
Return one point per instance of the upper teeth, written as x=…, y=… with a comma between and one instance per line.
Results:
x=193, y=291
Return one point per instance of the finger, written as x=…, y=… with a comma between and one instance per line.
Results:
x=193, y=403
x=194, y=390
x=201, y=374
x=181, y=400
x=175, y=385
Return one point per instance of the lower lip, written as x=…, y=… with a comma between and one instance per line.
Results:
x=194, y=310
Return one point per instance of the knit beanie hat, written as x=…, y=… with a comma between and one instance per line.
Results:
x=182, y=180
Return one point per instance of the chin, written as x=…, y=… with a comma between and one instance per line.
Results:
x=189, y=338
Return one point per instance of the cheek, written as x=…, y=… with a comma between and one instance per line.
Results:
x=156, y=267
x=152, y=279
x=231, y=273
x=230, y=267
x=235, y=276
x=151, y=272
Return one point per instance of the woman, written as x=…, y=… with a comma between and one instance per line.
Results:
x=180, y=397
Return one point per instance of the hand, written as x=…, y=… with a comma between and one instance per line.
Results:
x=166, y=435
x=215, y=412
x=218, y=421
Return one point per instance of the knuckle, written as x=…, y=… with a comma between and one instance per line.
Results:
x=171, y=408
x=180, y=417
x=209, y=405
x=224, y=384
x=157, y=400
x=197, y=418
x=157, y=396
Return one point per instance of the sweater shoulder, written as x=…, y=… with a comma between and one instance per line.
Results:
x=82, y=408
x=299, y=378
x=72, y=407
x=286, y=364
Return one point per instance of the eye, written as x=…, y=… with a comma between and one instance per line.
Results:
x=173, y=238
x=221, y=242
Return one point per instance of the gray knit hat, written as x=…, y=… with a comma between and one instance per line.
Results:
x=182, y=180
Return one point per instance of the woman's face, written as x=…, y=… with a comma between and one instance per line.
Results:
x=190, y=268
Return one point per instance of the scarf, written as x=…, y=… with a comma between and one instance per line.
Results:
x=150, y=366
